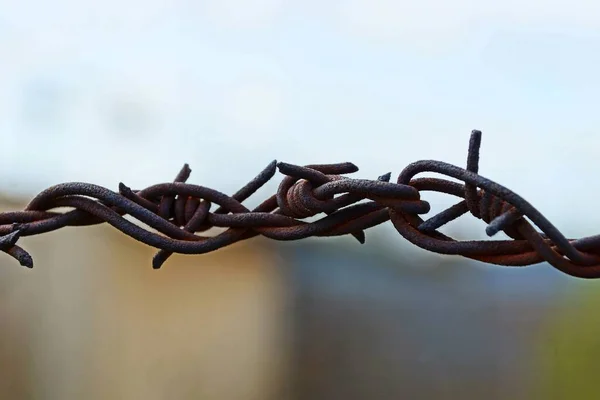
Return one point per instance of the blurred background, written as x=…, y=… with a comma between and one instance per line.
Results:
x=128, y=91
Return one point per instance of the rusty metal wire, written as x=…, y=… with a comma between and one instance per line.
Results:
x=178, y=211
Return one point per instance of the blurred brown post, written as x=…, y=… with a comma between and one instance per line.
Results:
x=93, y=320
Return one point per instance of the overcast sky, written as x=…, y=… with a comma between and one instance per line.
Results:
x=129, y=90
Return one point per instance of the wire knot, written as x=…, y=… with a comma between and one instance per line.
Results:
x=301, y=201
x=296, y=196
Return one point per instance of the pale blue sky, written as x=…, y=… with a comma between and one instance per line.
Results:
x=129, y=90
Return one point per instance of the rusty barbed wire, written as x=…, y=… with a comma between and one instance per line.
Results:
x=178, y=211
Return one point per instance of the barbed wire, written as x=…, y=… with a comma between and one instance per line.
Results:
x=178, y=211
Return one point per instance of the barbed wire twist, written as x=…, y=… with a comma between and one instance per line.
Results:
x=178, y=211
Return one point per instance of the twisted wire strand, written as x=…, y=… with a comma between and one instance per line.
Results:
x=177, y=214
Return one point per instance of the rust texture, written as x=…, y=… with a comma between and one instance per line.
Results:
x=178, y=212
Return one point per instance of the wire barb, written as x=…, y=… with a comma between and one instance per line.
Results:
x=179, y=211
